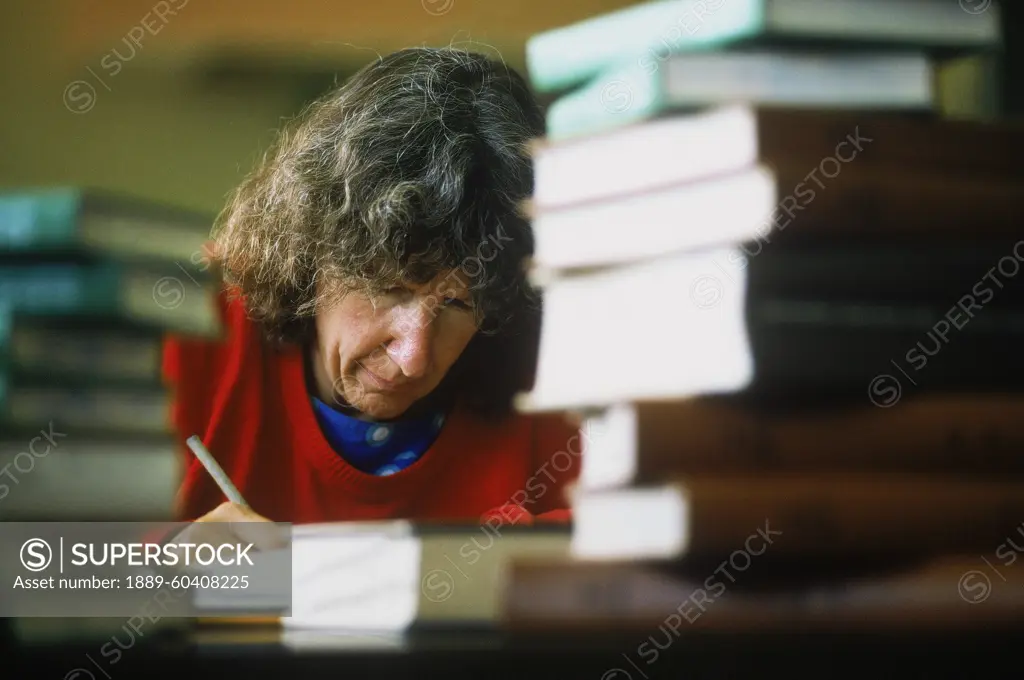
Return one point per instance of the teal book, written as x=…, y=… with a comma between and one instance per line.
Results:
x=647, y=33
x=164, y=299
x=46, y=221
x=854, y=80
x=6, y=321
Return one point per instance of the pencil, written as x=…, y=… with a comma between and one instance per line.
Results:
x=215, y=470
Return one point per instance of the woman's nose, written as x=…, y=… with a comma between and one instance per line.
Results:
x=412, y=343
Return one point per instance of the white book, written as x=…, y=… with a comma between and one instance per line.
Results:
x=672, y=327
x=796, y=514
x=722, y=210
x=610, y=456
x=635, y=158
x=388, y=575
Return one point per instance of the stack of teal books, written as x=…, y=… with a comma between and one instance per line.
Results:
x=712, y=122
x=659, y=57
x=90, y=283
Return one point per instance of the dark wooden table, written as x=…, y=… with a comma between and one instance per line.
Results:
x=481, y=655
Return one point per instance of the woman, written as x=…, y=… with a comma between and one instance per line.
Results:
x=378, y=319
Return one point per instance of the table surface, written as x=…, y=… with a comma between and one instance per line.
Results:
x=452, y=654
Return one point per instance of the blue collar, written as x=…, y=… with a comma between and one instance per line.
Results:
x=378, y=448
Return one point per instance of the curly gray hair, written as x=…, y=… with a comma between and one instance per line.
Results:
x=415, y=166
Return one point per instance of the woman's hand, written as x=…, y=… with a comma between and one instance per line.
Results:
x=512, y=513
x=234, y=523
x=232, y=512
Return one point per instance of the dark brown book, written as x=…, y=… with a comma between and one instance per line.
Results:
x=797, y=514
x=943, y=434
x=824, y=144
x=954, y=593
x=892, y=202
x=765, y=206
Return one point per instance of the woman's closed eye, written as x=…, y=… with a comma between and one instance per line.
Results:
x=456, y=303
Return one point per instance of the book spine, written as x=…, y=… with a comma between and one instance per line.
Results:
x=566, y=56
x=612, y=99
x=938, y=434
x=831, y=362
x=588, y=596
x=38, y=220
x=883, y=202
x=582, y=594
x=825, y=515
x=826, y=146
x=54, y=289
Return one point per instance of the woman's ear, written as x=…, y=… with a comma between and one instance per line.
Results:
x=209, y=256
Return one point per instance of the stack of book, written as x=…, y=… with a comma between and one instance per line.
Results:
x=89, y=284
x=788, y=310
x=659, y=57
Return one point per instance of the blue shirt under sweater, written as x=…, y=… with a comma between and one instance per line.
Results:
x=378, y=448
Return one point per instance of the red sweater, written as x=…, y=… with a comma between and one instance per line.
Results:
x=250, y=405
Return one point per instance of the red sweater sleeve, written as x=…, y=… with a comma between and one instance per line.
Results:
x=554, y=466
x=189, y=366
x=183, y=360
x=556, y=455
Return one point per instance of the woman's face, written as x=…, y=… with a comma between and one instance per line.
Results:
x=381, y=355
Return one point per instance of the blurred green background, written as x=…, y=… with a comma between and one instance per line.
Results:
x=174, y=100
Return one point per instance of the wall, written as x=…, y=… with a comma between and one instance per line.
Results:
x=163, y=128
x=160, y=132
